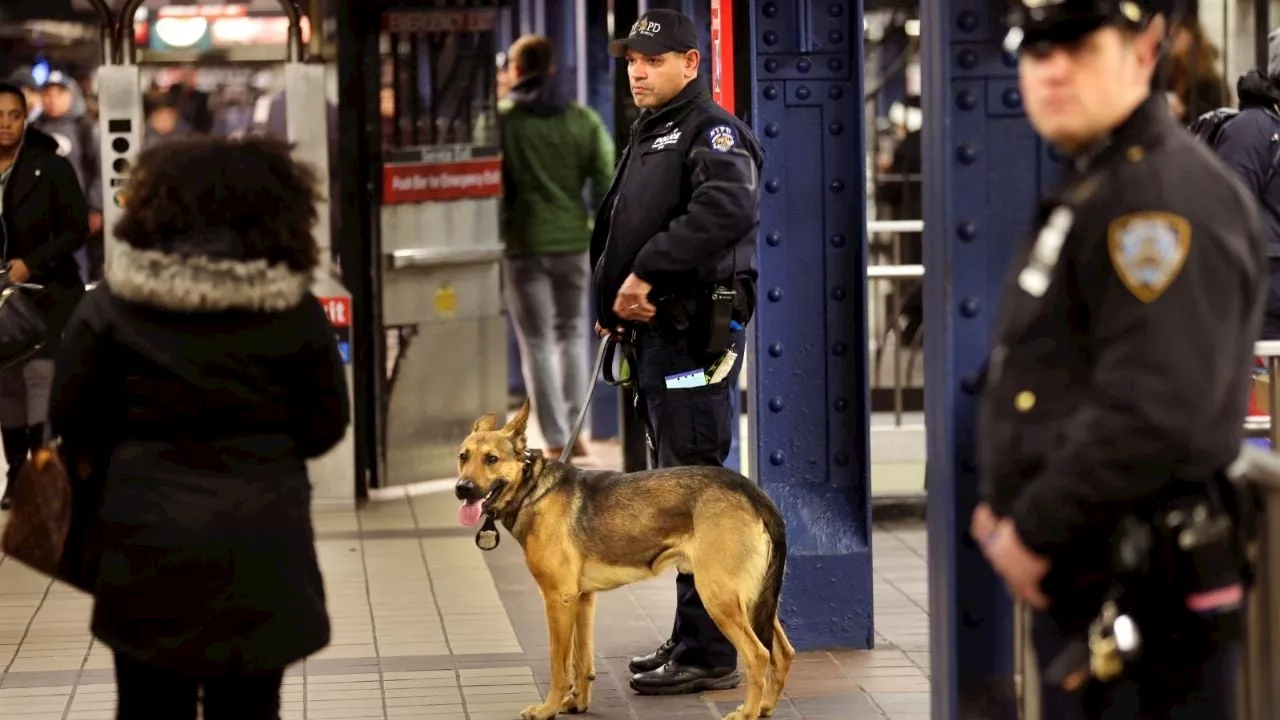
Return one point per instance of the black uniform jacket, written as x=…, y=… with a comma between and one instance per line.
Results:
x=201, y=384
x=684, y=205
x=45, y=221
x=1131, y=371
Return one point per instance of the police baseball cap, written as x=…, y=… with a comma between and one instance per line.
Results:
x=658, y=32
x=1061, y=22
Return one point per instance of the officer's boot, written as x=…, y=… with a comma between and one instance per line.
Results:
x=17, y=445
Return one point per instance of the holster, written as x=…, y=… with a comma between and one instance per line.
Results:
x=708, y=317
x=1181, y=571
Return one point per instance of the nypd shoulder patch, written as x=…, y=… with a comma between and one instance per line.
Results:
x=721, y=138
x=1148, y=251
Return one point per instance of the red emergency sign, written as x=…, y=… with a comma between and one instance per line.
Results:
x=426, y=182
x=338, y=309
x=722, y=53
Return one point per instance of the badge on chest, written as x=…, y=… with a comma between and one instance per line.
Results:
x=666, y=141
x=1035, y=277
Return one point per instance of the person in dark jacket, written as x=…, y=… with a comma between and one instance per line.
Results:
x=1249, y=144
x=1116, y=381
x=673, y=251
x=200, y=377
x=43, y=222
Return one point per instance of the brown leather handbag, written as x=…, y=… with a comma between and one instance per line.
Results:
x=53, y=520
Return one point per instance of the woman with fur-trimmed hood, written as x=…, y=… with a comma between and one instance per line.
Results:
x=201, y=375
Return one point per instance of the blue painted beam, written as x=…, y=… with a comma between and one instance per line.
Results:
x=606, y=402
x=983, y=172
x=810, y=387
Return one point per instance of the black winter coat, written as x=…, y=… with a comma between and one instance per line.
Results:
x=207, y=383
x=1250, y=145
x=44, y=222
x=684, y=205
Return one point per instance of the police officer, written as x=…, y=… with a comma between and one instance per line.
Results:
x=1123, y=346
x=673, y=251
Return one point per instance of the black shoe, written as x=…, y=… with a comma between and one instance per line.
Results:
x=17, y=446
x=6, y=500
x=673, y=679
x=653, y=660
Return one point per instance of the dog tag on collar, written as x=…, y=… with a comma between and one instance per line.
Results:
x=487, y=536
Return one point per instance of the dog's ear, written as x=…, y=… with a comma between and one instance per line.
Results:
x=487, y=423
x=516, y=428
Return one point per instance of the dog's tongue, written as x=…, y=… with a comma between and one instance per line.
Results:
x=469, y=513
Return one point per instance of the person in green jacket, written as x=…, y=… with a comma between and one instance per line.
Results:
x=552, y=149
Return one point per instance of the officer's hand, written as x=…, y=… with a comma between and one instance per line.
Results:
x=602, y=332
x=983, y=524
x=632, y=302
x=18, y=272
x=1021, y=569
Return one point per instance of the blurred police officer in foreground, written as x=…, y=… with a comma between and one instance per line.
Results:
x=674, y=257
x=1123, y=348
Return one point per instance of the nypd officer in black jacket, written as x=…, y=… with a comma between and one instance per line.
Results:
x=674, y=257
x=1121, y=366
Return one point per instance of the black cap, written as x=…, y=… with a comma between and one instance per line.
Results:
x=23, y=78
x=658, y=32
x=1057, y=22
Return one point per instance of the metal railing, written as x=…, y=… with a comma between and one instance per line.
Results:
x=891, y=326
x=1259, y=679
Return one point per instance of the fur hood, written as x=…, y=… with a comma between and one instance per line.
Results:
x=196, y=280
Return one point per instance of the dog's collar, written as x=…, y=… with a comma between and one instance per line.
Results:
x=487, y=536
x=526, y=481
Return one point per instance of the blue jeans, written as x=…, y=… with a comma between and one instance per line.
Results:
x=547, y=298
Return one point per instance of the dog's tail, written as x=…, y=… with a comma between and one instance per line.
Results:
x=765, y=610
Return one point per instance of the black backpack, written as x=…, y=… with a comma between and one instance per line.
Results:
x=1209, y=126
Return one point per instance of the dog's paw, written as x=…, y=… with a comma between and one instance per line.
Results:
x=538, y=712
x=575, y=703
x=741, y=714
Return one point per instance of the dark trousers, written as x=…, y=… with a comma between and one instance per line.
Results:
x=691, y=426
x=1201, y=686
x=151, y=693
x=1271, y=316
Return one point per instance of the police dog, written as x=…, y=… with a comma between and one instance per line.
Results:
x=587, y=531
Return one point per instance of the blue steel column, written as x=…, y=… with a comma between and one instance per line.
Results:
x=983, y=169
x=605, y=405
x=811, y=335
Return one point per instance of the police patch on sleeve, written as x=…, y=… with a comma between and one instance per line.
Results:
x=721, y=138
x=1148, y=251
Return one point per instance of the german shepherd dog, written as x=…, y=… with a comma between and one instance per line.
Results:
x=587, y=531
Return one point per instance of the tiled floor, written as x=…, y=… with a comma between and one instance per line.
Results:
x=427, y=626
